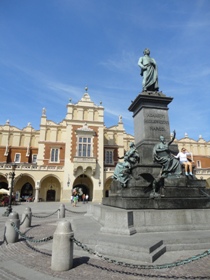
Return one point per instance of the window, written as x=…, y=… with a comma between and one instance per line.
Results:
x=109, y=158
x=34, y=158
x=17, y=158
x=198, y=163
x=84, y=149
x=54, y=157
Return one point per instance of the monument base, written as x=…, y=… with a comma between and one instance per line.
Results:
x=127, y=222
x=177, y=193
x=156, y=232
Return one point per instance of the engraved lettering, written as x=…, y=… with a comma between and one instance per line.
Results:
x=156, y=121
x=158, y=116
x=157, y=128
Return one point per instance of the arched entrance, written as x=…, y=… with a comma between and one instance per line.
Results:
x=107, y=187
x=3, y=182
x=50, y=189
x=26, y=191
x=83, y=185
x=4, y=185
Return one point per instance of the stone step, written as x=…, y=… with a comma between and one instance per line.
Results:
x=158, y=253
x=187, y=246
x=119, y=251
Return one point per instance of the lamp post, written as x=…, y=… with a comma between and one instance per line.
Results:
x=12, y=177
x=68, y=183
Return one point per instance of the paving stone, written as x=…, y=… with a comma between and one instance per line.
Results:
x=30, y=261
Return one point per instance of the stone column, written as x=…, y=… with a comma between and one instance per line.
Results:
x=62, y=247
x=37, y=188
x=11, y=235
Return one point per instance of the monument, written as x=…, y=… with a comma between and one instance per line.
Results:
x=149, y=192
x=154, y=178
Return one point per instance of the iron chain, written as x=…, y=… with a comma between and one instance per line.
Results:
x=26, y=216
x=30, y=239
x=35, y=216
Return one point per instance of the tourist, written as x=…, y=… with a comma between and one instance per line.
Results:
x=75, y=201
x=184, y=160
x=83, y=198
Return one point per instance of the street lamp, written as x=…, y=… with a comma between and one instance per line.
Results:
x=11, y=177
x=68, y=183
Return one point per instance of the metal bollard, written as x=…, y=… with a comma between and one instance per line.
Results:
x=11, y=235
x=61, y=212
x=26, y=218
x=62, y=247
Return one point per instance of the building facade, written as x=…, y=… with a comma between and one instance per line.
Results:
x=79, y=153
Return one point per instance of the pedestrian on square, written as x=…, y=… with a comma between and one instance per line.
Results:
x=86, y=198
x=83, y=198
x=75, y=201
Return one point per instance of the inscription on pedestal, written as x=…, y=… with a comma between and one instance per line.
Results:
x=156, y=122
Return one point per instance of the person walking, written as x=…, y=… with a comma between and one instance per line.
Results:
x=75, y=201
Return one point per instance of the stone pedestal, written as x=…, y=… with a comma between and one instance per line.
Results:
x=150, y=114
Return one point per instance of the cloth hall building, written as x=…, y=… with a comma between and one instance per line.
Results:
x=80, y=153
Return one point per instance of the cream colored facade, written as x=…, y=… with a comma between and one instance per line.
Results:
x=79, y=152
x=59, y=157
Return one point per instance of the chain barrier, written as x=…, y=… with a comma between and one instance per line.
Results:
x=30, y=239
x=75, y=211
x=139, y=266
x=36, y=216
x=26, y=216
x=37, y=250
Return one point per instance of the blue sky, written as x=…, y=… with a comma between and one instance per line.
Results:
x=51, y=49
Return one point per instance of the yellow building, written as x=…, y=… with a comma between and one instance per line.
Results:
x=77, y=153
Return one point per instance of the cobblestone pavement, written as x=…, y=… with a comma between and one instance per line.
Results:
x=36, y=257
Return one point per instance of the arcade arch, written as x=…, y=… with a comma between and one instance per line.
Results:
x=107, y=187
x=3, y=182
x=50, y=189
x=24, y=186
x=85, y=185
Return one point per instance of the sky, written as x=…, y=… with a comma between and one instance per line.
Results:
x=50, y=50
